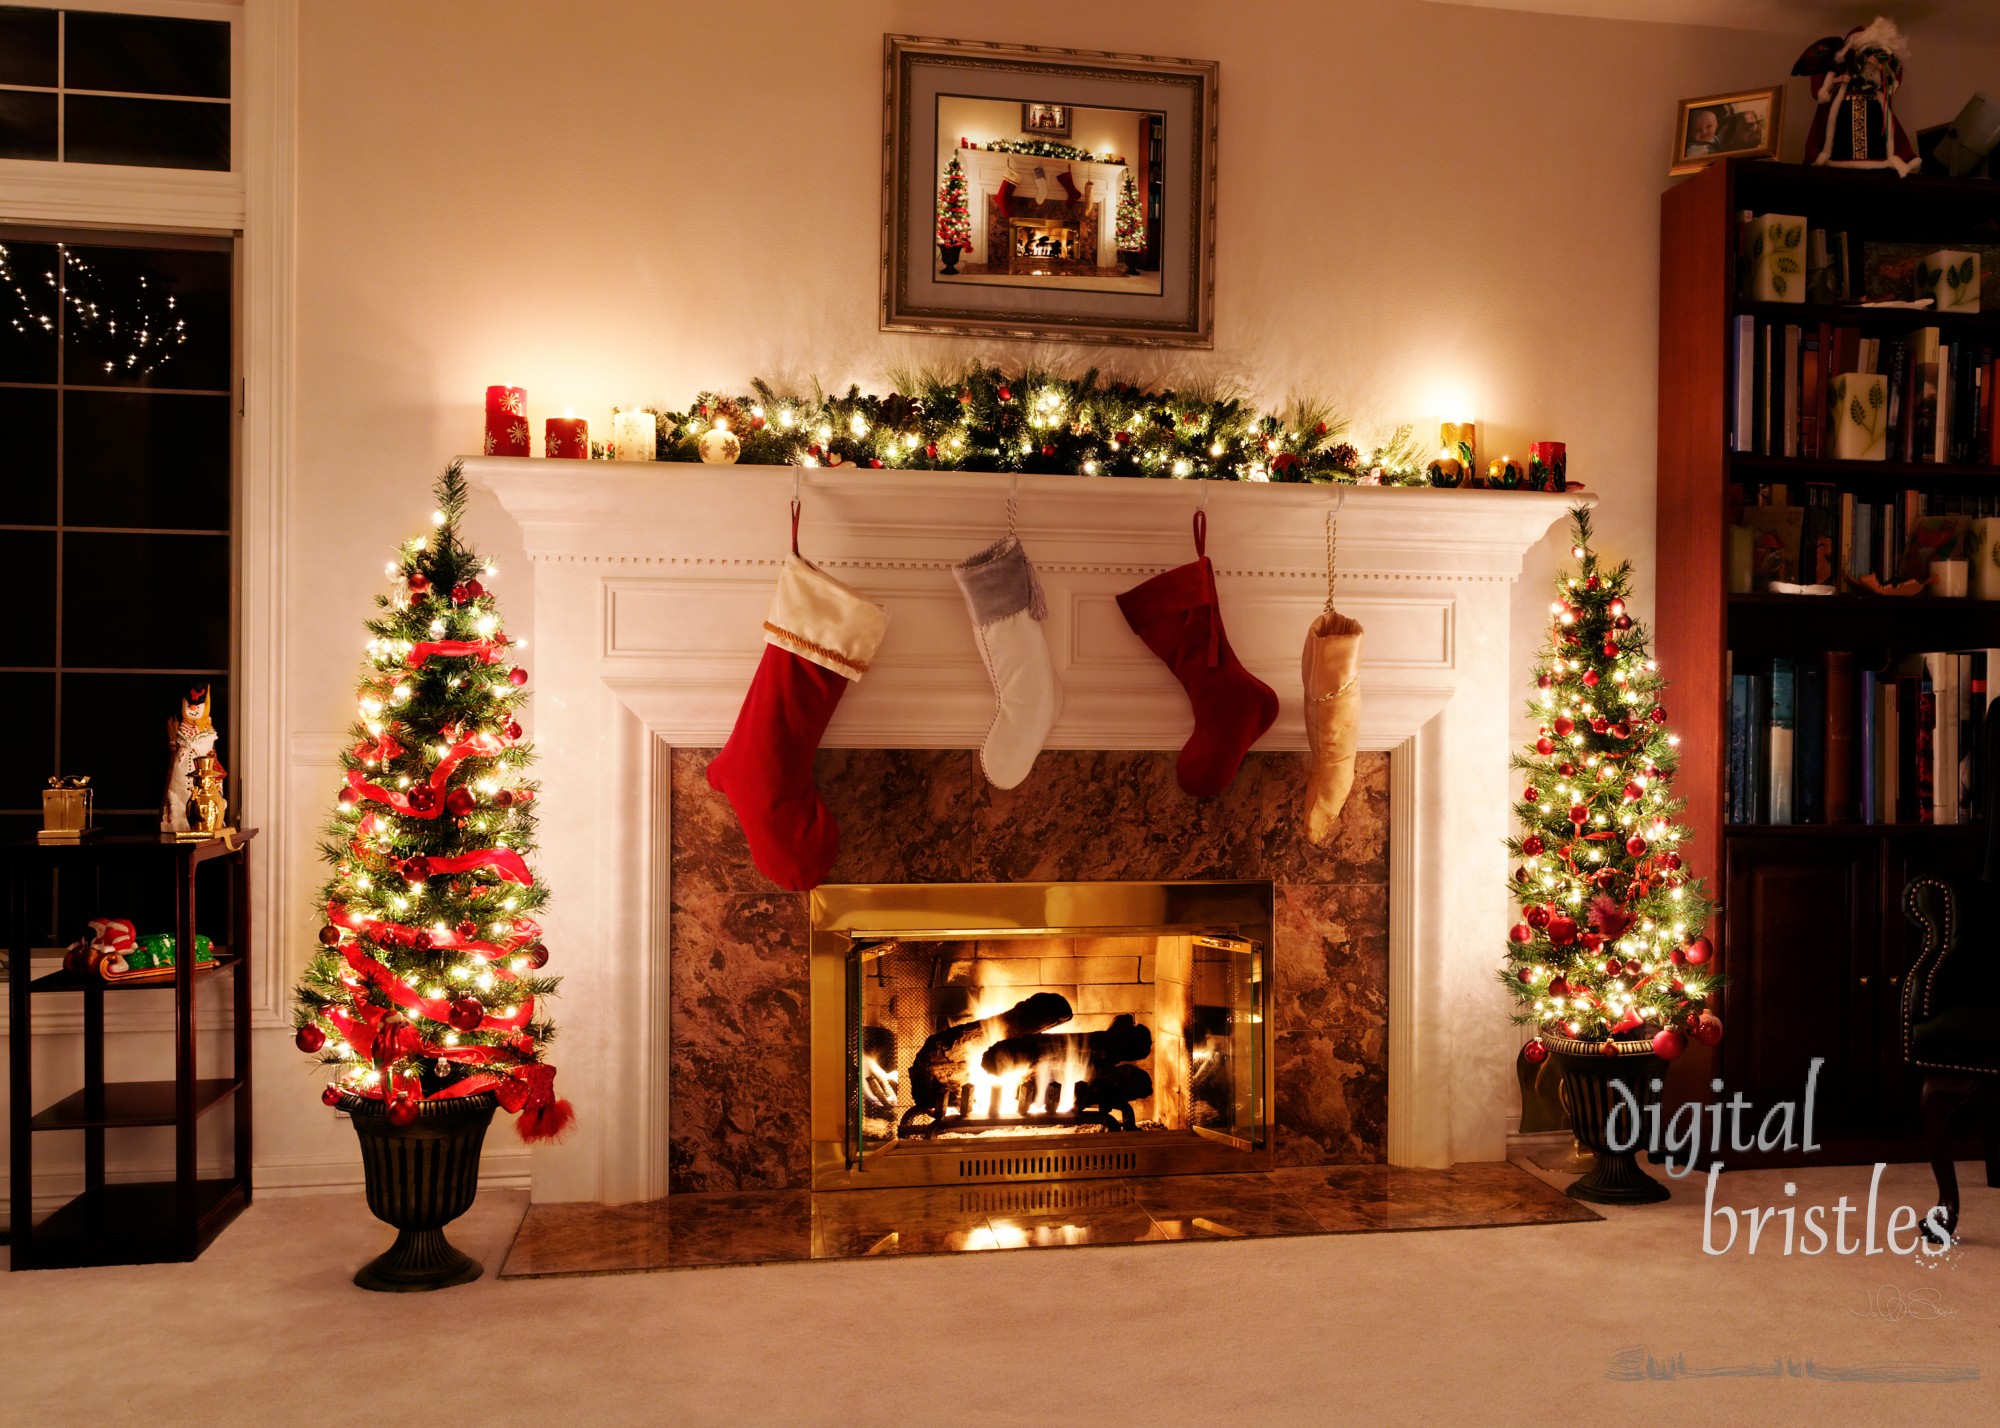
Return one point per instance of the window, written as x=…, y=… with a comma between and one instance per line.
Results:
x=116, y=515
x=90, y=87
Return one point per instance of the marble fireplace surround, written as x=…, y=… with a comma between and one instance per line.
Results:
x=650, y=587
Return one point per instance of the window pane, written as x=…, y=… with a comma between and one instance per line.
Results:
x=146, y=54
x=30, y=701
x=27, y=46
x=146, y=602
x=114, y=729
x=27, y=312
x=146, y=459
x=28, y=429
x=155, y=133
x=27, y=125
x=28, y=588
x=148, y=317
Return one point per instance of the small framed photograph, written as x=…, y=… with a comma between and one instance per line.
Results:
x=1047, y=121
x=1745, y=125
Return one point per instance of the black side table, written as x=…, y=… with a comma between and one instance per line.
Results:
x=124, y=1222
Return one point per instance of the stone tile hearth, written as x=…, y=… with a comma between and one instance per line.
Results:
x=779, y=1227
x=738, y=1032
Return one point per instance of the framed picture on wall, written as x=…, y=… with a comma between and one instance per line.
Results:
x=1746, y=125
x=1051, y=121
x=1022, y=189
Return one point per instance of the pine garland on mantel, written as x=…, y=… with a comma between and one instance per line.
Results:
x=981, y=419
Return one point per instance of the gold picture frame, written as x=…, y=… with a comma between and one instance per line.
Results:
x=1047, y=276
x=1748, y=124
x=1049, y=120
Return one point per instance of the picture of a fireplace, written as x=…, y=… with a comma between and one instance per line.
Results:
x=966, y=1032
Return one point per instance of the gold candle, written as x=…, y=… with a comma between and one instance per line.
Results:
x=1460, y=439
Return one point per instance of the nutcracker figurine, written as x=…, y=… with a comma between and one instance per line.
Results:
x=1852, y=77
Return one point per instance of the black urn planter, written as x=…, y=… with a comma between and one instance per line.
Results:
x=420, y=1178
x=1588, y=1095
x=950, y=252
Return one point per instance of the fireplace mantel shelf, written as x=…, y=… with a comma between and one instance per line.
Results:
x=651, y=586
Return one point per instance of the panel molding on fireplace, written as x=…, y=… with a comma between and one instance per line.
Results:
x=650, y=587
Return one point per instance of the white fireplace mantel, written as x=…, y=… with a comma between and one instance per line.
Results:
x=651, y=583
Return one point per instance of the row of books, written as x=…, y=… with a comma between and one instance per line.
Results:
x=1940, y=393
x=1814, y=739
x=1814, y=533
x=1835, y=265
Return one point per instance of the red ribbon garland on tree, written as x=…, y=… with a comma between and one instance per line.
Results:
x=526, y=931
x=480, y=743
x=485, y=651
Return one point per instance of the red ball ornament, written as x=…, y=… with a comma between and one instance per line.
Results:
x=467, y=929
x=1633, y=793
x=930, y=451
x=1677, y=957
x=513, y=730
x=1544, y=681
x=1659, y=714
x=1699, y=951
x=1613, y=967
x=1558, y=986
x=1590, y=676
x=1563, y=724
x=330, y=935
x=1538, y=917
x=1531, y=794
x=423, y=798
x=1598, y=724
x=467, y=1013
x=1623, y=622
x=517, y=676
x=415, y=869
x=1671, y=860
x=309, y=1038
x=1669, y=1042
x=330, y=1096
x=402, y=1111
x=1621, y=730
x=1562, y=930
x=460, y=594
x=538, y=956
x=1611, y=649
x=1706, y=1028
x=1526, y=976
x=1591, y=583
x=1636, y=846
x=1537, y=1051
x=1578, y=814
x=1006, y=395
x=1532, y=845
x=419, y=582
x=1544, y=746
x=1632, y=966
x=1567, y=770
x=504, y=798
x=874, y=463
x=349, y=797
x=422, y=940
x=1049, y=450
x=460, y=802
x=1521, y=932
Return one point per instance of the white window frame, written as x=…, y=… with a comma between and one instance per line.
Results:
x=254, y=202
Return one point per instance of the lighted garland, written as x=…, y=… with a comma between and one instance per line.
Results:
x=1044, y=149
x=426, y=986
x=984, y=420
x=1609, y=946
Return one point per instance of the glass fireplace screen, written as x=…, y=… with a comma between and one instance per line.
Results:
x=969, y=1032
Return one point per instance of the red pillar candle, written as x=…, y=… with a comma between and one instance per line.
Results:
x=507, y=421
x=566, y=437
x=1548, y=466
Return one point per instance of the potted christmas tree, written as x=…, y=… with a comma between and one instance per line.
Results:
x=425, y=997
x=1608, y=961
x=1131, y=223
x=954, y=222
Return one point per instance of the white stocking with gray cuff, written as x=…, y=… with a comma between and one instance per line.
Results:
x=1007, y=608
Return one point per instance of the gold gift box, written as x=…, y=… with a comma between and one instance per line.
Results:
x=66, y=805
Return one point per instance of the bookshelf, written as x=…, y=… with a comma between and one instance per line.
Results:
x=1810, y=930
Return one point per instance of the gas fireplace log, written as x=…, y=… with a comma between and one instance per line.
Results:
x=943, y=1064
x=1048, y=1052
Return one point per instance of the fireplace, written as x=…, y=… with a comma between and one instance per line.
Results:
x=968, y=1032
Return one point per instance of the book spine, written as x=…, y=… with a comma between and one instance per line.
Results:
x=1757, y=801
x=1812, y=395
x=1739, y=749
x=1924, y=751
x=1782, y=732
x=1809, y=744
x=1899, y=366
x=1906, y=748
x=1789, y=379
x=1744, y=426
x=1870, y=776
x=1839, y=795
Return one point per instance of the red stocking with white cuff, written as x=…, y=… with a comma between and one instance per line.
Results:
x=819, y=637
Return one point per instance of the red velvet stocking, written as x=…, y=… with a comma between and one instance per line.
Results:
x=766, y=769
x=1178, y=616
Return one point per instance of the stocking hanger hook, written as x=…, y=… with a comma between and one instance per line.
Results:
x=1332, y=542
x=797, y=476
x=1013, y=499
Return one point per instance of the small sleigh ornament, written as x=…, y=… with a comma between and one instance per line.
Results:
x=1852, y=78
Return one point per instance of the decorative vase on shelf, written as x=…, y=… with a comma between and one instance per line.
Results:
x=949, y=252
x=1590, y=1079
x=420, y=1177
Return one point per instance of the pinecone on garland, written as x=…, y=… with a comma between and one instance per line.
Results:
x=1344, y=457
x=731, y=412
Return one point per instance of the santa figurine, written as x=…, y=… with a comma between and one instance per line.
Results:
x=1852, y=77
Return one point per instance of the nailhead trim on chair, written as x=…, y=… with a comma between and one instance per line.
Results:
x=1938, y=944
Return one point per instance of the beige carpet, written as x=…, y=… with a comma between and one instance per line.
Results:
x=1469, y=1327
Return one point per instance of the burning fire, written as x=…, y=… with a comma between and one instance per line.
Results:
x=999, y=1097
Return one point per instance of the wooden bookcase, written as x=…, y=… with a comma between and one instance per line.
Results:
x=115, y=1219
x=1809, y=929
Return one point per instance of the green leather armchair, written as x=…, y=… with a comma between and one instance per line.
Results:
x=1951, y=1016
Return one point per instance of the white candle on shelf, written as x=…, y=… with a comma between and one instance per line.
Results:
x=634, y=436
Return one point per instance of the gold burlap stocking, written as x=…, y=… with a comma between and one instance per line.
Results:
x=1333, y=718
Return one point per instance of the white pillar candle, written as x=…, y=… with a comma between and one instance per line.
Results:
x=1774, y=251
x=1951, y=278
x=634, y=436
x=1860, y=416
x=1948, y=578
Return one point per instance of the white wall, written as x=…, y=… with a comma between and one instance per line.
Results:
x=1421, y=206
